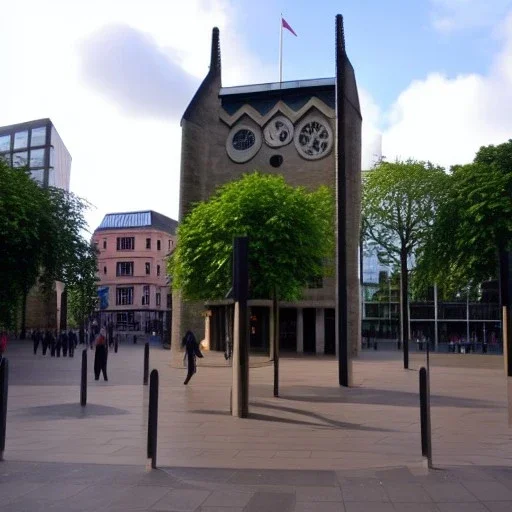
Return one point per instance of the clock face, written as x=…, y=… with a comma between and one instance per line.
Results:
x=313, y=138
x=243, y=143
x=243, y=139
x=278, y=132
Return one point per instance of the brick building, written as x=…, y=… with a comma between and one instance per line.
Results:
x=133, y=284
x=287, y=128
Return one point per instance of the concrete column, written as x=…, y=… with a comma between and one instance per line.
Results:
x=320, y=330
x=300, y=331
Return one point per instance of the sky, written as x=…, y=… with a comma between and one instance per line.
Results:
x=115, y=76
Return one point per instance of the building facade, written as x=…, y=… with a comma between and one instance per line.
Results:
x=286, y=128
x=37, y=146
x=133, y=288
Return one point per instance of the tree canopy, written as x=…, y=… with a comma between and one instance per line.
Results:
x=473, y=222
x=40, y=229
x=291, y=238
x=399, y=204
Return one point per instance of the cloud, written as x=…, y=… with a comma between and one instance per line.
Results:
x=452, y=15
x=131, y=70
x=371, y=133
x=446, y=120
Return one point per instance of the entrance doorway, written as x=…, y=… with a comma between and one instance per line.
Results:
x=309, y=317
x=330, y=331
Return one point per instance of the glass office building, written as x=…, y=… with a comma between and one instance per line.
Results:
x=36, y=145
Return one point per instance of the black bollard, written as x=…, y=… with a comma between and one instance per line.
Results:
x=116, y=346
x=146, y=363
x=426, y=440
x=4, y=387
x=153, y=417
x=83, y=382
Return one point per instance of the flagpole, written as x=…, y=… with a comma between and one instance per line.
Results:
x=281, y=48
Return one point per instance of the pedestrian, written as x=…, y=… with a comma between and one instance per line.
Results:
x=191, y=352
x=58, y=343
x=100, y=356
x=35, y=339
x=71, y=343
x=64, y=341
x=52, y=343
x=3, y=343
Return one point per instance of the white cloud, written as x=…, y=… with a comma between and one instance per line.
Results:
x=123, y=158
x=452, y=15
x=446, y=120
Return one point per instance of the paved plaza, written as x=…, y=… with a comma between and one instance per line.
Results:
x=317, y=447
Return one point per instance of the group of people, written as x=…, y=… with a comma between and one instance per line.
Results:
x=57, y=342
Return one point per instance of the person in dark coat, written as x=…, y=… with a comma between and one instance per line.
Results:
x=71, y=343
x=64, y=342
x=100, y=356
x=191, y=352
x=58, y=343
x=36, y=338
x=52, y=343
x=46, y=342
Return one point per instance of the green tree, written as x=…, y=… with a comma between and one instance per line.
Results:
x=291, y=240
x=82, y=290
x=399, y=204
x=473, y=224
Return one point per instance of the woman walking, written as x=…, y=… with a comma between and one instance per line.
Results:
x=100, y=356
x=191, y=352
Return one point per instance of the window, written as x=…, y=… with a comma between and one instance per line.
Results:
x=158, y=270
x=124, y=268
x=145, y=295
x=148, y=269
x=104, y=270
x=158, y=299
x=20, y=159
x=124, y=296
x=148, y=243
x=126, y=243
x=20, y=140
x=51, y=178
x=37, y=158
x=37, y=176
x=5, y=143
x=158, y=246
x=104, y=244
x=6, y=157
x=38, y=136
x=169, y=301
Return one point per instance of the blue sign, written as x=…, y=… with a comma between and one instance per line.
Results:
x=103, y=296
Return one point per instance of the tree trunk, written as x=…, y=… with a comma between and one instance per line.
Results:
x=275, y=309
x=404, y=304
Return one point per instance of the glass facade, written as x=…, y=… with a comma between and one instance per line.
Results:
x=21, y=140
x=5, y=143
x=38, y=137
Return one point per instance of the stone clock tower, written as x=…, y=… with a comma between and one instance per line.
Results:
x=287, y=128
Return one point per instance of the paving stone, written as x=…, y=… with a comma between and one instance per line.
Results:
x=489, y=491
x=318, y=494
x=319, y=506
x=139, y=497
x=499, y=506
x=367, y=506
x=16, y=489
x=364, y=492
x=415, y=507
x=284, y=477
x=449, y=492
x=54, y=491
x=271, y=502
x=461, y=507
x=228, y=499
x=181, y=500
x=407, y=492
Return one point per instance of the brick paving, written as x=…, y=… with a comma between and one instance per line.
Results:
x=317, y=447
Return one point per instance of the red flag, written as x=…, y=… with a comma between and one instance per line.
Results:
x=285, y=25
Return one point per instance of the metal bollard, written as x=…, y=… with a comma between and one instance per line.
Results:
x=146, y=363
x=116, y=346
x=4, y=388
x=153, y=418
x=426, y=439
x=83, y=381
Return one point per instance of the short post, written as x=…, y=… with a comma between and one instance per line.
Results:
x=116, y=345
x=83, y=382
x=4, y=387
x=153, y=417
x=426, y=437
x=146, y=363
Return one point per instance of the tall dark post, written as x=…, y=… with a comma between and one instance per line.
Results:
x=153, y=418
x=241, y=334
x=146, y=363
x=83, y=380
x=404, y=305
x=275, y=310
x=341, y=207
x=4, y=387
x=426, y=434
x=506, y=303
